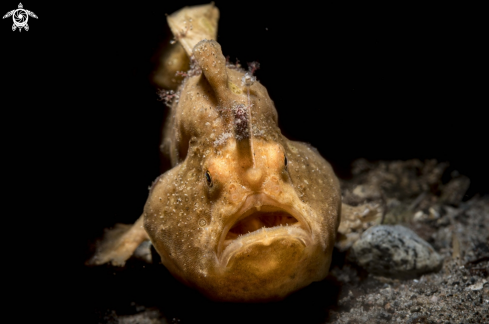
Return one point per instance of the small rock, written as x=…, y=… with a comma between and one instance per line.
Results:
x=478, y=286
x=395, y=251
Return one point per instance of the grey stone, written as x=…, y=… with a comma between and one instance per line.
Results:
x=395, y=251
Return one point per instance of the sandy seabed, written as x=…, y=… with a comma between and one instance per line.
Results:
x=419, y=195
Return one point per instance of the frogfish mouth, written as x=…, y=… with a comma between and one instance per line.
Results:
x=258, y=222
x=244, y=214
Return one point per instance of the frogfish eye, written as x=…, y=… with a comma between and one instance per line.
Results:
x=285, y=162
x=208, y=178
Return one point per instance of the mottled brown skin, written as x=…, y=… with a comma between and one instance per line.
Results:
x=244, y=215
x=186, y=218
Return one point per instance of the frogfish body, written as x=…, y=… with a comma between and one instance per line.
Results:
x=244, y=214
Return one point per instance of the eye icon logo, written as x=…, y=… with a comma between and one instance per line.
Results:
x=20, y=17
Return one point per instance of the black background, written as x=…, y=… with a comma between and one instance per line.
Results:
x=81, y=122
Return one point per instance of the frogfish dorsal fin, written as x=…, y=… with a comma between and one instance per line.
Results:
x=190, y=25
x=242, y=131
x=209, y=57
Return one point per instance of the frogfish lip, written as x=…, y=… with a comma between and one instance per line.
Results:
x=261, y=219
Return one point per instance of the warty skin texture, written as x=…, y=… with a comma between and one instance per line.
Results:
x=187, y=219
x=244, y=214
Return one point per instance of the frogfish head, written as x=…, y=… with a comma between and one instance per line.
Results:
x=245, y=214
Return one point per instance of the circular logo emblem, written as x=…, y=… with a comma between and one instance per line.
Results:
x=20, y=17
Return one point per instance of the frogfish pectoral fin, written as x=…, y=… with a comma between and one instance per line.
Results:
x=119, y=244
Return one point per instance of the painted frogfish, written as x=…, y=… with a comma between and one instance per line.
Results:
x=244, y=214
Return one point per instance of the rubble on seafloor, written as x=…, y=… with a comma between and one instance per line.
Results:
x=417, y=195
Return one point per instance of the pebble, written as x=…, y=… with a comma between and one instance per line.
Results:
x=478, y=286
x=395, y=251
